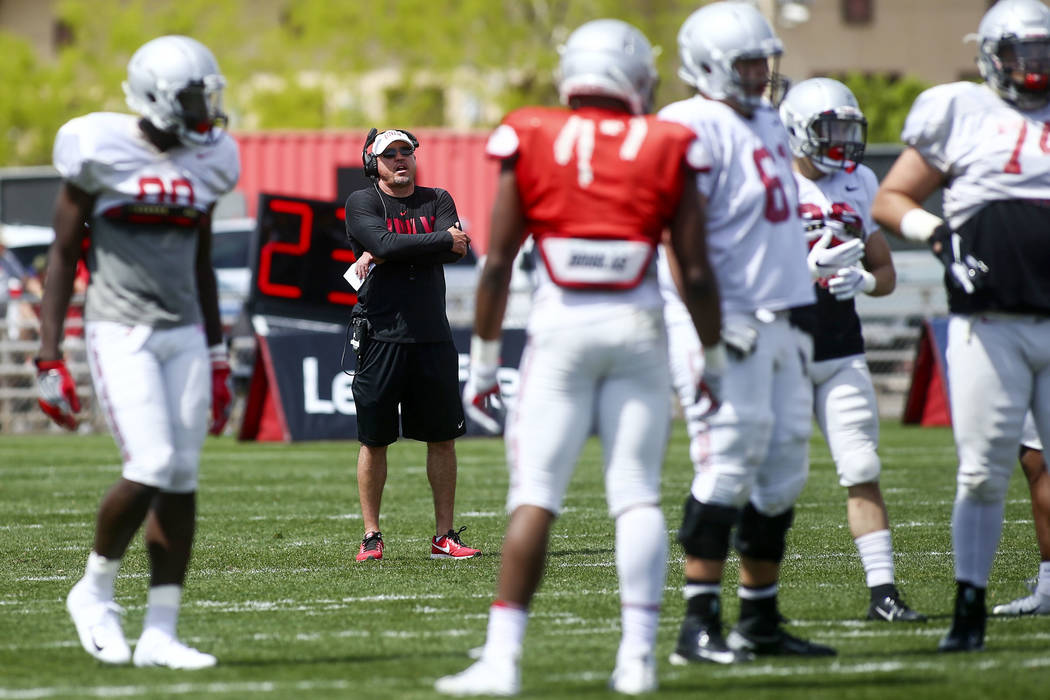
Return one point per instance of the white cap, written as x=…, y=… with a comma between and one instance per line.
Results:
x=388, y=137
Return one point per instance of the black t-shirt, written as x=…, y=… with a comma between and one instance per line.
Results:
x=1010, y=237
x=404, y=297
x=834, y=325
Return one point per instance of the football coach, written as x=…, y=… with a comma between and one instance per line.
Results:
x=402, y=235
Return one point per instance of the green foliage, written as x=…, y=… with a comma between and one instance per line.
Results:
x=885, y=101
x=500, y=52
x=274, y=592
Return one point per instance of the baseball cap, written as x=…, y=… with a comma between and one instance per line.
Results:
x=388, y=137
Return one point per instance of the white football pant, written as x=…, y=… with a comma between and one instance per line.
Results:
x=154, y=386
x=609, y=374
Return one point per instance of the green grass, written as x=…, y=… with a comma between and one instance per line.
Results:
x=275, y=594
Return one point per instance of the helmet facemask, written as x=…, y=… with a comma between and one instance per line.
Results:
x=1019, y=70
x=175, y=83
x=835, y=140
x=756, y=79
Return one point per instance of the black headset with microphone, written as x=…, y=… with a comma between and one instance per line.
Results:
x=370, y=161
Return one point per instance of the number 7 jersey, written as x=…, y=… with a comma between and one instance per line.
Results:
x=597, y=189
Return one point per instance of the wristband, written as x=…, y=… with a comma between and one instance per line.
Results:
x=484, y=353
x=918, y=224
x=715, y=358
x=217, y=353
x=868, y=285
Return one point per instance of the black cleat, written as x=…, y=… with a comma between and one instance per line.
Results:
x=701, y=641
x=779, y=643
x=892, y=609
x=967, y=630
x=965, y=635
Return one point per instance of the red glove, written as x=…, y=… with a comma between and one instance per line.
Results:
x=58, y=394
x=221, y=398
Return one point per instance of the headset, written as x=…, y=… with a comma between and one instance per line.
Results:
x=371, y=160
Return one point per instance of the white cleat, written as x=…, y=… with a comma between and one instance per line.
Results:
x=634, y=676
x=98, y=626
x=156, y=648
x=1034, y=604
x=483, y=678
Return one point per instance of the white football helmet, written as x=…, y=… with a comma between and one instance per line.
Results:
x=825, y=124
x=175, y=83
x=609, y=58
x=1013, y=51
x=714, y=38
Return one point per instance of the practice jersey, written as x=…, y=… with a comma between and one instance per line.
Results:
x=754, y=236
x=842, y=196
x=997, y=195
x=404, y=298
x=148, y=207
x=597, y=189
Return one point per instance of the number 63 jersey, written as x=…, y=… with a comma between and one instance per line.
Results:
x=597, y=189
x=149, y=205
x=754, y=235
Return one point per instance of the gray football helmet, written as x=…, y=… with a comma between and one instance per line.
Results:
x=175, y=83
x=1013, y=51
x=610, y=58
x=714, y=38
x=825, y=124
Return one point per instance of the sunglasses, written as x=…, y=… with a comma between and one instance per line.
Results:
x=392, y=152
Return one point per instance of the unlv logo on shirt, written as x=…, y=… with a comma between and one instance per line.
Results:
x=408, y=226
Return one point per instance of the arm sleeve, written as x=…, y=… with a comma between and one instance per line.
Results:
x=444, y=218
x=366, y=227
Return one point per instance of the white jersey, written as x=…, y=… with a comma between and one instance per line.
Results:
x=754, y=234
x=144, y=226
x=840, y=193
x=987, y=149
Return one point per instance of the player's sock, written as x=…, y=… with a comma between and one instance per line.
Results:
x=1043, y=586
x=162, y=609
x=641, y=563
x=506, y=631
x=976, y=529
x=876, y=555
x=100, y=576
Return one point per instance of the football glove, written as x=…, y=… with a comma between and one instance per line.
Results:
x=57, y=393
x=709, y=391
x=825, y=262
x=482, y=401
x=848, y=281
x=965, y=271
x=221, y=397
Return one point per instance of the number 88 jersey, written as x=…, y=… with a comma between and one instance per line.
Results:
x=754, y=235
x=597, y=188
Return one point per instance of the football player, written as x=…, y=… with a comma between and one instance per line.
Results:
x=828, y=134
x=145, y=188
x=595, y=185
x=986, y=145
x=750, y=435
x=1034, y=467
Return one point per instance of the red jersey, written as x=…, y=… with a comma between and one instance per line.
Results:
x=606, y=180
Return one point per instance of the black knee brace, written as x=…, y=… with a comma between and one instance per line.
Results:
x=763, y=536
x=705, y=529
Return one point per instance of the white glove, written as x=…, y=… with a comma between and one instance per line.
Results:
x=482, y=401
x=709, y=391
x=825, y=262
x=848, y=281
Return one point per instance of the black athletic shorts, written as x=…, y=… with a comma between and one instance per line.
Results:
x=422, y=377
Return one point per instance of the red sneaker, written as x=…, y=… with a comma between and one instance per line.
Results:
x=371, y=546
x=449, y=546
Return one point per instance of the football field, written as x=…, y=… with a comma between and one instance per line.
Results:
x=275, y=593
